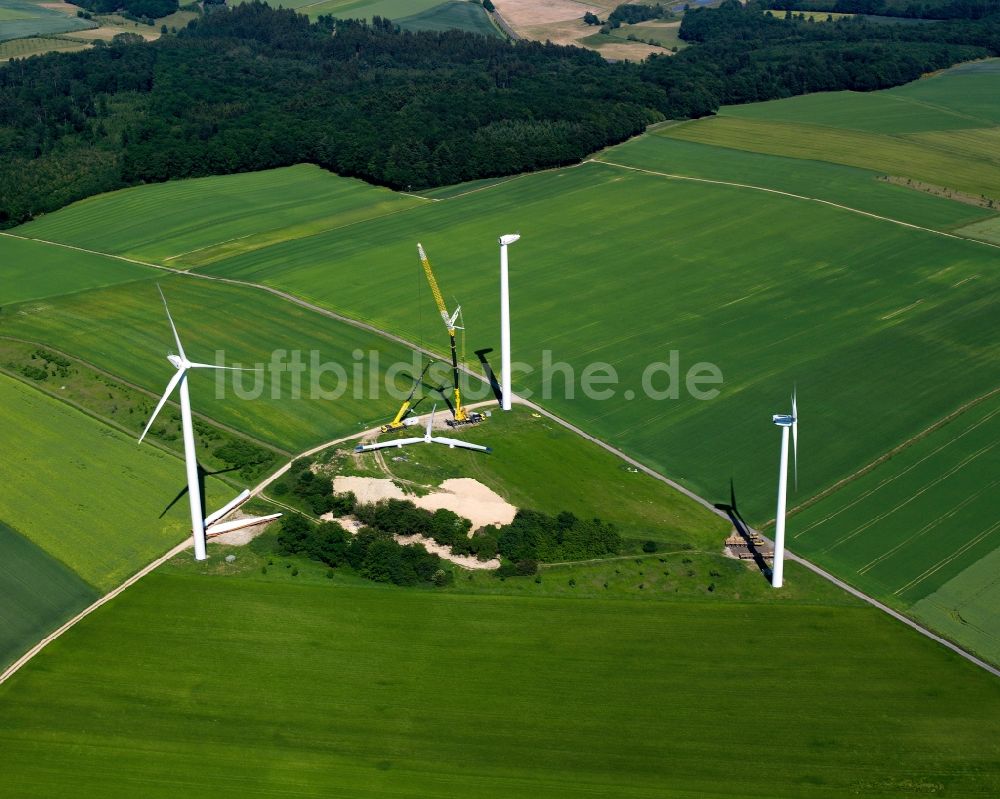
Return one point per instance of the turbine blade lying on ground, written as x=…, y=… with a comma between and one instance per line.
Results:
x=398, y=442
x=454, y=442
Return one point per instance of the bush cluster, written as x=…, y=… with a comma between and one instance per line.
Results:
x=536, y=536
x=372, y=553
x=402, y=517
x=314, y=490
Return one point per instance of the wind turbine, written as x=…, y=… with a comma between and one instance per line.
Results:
x=181, y=363
x=427, y=438
x=786, y=422
x=505, y=393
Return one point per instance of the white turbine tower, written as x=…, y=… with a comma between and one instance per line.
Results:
x=505, y=393
x=182, y=364
x=427, y=438
x=786, y=422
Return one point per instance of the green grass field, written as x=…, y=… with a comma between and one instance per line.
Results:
x=919, y=522
x=657, y=33
x=894, y=155
x=39, y=593
x=988, y=230
x=836, y=183
x=243, y=326
x=965, y=607
x=20, y=19
x=396, y=10
x=709, y=288
x=179, y=223
x=955, y=99
x=367, y=691
x=538, y=464
x=685, y=266
x=941, y=130
x=128, y=409
x=30, y=270
x=23, y=48
x=86, y=494
x=451, y=15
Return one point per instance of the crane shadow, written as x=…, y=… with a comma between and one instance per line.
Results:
x=202, y=474
x=490, y=375
x=744, y=530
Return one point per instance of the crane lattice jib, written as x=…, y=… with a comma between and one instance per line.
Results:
x=434, y=288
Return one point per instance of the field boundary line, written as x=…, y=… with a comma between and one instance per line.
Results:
x=792, y=195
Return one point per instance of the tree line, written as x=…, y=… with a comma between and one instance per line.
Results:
x=907, y=9
x=252, y=87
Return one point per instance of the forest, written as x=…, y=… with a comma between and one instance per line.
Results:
x=252, y=87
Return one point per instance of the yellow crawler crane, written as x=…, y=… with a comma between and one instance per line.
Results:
x=461, y=416
x=407, y=407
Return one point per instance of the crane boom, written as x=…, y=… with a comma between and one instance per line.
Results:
x=426, y=264
x=461, y=415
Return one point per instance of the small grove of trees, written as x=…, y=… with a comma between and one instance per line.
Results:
x=371, y=553
x=402, y=517
x=246, y=457
x=136, y=9
x=591, y=18
x=315, y=491
x=536, y=536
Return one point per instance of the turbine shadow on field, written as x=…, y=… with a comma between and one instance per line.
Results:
x=202, y=474
x=488, y=371
x=732, y=510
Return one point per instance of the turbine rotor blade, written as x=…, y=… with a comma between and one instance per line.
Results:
x=430, y=424
x=795, y=436
x=166, y=394
x=216, y=366
x=177, y=339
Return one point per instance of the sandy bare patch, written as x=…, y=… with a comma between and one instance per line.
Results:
x=524, y=13
x=471, y=499
x=660, y=24
x=368, y=489
x=481, y=497
x=561, y=22
x=432, y=546
x=463, y=495
x=244, y=535
x=630, y=51
x=569, y=31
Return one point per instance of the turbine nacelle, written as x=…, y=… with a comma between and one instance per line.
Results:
x=178, y=362
x=510, y=238
x=783, y=419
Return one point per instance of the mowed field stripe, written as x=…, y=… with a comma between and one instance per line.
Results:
x=892, y=478
x=945, y=561
x=931, y=525
x=912, y=498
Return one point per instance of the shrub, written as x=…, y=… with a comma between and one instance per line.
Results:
x=649, y=546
